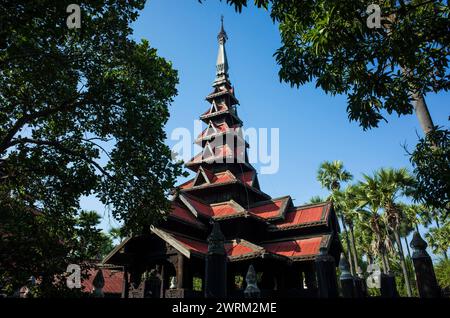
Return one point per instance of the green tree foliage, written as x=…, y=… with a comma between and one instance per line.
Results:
x=93, y=243
x=442, y=270
x=81, y=112
x=380, y=69
x=439, y=238
x=332, y=174
x=431, y=162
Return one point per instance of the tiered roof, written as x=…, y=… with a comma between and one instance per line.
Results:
x=291, y=250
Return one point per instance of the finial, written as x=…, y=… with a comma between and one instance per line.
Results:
x=252, y=289
x=216, y=240
x=419, y=246
x=222, y=37
x=345, y=268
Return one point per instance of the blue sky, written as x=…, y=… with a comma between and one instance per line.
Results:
x=313, y=126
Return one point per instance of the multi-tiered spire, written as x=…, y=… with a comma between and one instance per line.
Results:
x=224, y=147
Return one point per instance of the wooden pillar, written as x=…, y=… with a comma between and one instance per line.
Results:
x=188, y=275
x=163, y=281
x=326, y=275
x=281, y=280
x=423, y=266
x=216, y=265
x=180, y=271
x=125, y=283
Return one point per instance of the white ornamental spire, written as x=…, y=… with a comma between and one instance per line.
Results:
x=222, y=62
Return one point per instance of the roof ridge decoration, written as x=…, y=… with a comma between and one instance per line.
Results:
x=206, y=178
x=209, y=149
x=276, y=213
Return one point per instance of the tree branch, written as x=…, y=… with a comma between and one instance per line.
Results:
x=6, y=140
x=61, y=148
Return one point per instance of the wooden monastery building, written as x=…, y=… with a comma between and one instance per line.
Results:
x=279, y=239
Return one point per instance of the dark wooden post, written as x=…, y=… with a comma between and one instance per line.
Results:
x=163, y=282
x=346, y=278
x=180, y=271
x=125, y=282
x=99, y=283
x=216, y=265
x=360, y=284
x=388, y=286
x=326, y=275
x=423, y=266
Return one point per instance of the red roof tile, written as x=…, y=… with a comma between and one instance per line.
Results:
x=192, y=245
x=221, y=177
x=295, y=248
x=237, y=249
x=214, y=210
x=247, y=177
x=113, y=281
x=303, y=216
x=270, y=209
x=200, y=207
x=226, y=209
x=183, y=214
x=233, y=248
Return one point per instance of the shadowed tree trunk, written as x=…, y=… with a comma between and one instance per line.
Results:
x=407, y=247
x=423, y=113
x=355, y=253
x=349, y=252
x=403, y=263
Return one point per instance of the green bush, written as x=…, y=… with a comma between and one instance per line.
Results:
x=442, y=270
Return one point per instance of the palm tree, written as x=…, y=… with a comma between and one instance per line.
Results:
x=316, y=199
x=387, y=186
x=347, y=203
x=331, y=175
x=369, y=208
x=392, y=184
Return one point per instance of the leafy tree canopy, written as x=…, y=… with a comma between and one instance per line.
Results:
x=431, y=162
x=81, y=112
x=93, y=243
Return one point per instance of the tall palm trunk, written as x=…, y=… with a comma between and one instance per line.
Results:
x=349, y=253
x=421, y=108
x=407, y=247
x=386, y=267
x=403, y=263
x=355, y=253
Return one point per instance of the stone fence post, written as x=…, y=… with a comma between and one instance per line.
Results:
x=426, y=278
x=346, y=278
